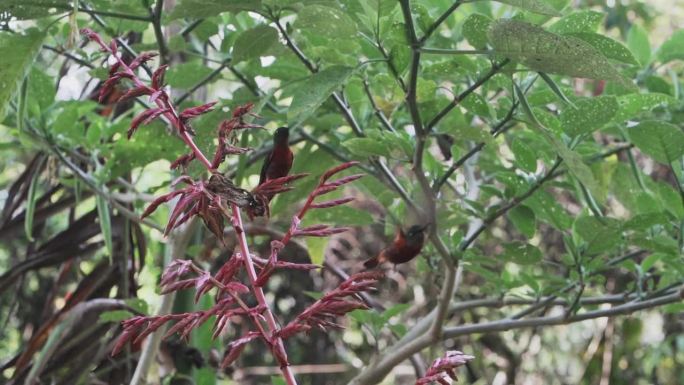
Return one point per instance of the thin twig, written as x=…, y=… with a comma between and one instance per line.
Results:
x=478, y=83
x=433, y=27
x=503, y=325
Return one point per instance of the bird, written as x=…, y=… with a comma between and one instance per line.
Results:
x=278, y=162
x=405, y=246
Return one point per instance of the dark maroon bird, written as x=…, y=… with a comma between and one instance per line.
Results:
x=405, y=247
x=279, y=161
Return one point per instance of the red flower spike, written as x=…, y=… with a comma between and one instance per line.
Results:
x=319, y=231
x=183, y=160
x=236, y=347
x=141, y=59
x=145, y=117
x=134, y=93
x=345, y=180
x=158, y=77
x=178, y=285
x=194, y=112
x=113, y=46
x=332, y=203
x=180, y=325
x=243, y=110
x=158, y=201
x=91, y=35
x=443, y=368
x=108, y=86
x=332, y=304
x=114, y=68
x=337, y=169
x=154, y=324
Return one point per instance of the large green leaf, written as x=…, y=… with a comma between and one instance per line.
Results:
x=475, y=30
x=589, y=115
x=17, y=53
x=187, y=75
x=536, y=6
x=662, y=141
x=254, y=43
x=581, y=21
x=673, y=48
x=208, y=8
x=639, y=44
x=608, y=47
x=548, y=52
x=522, y=253
x=632, y=105
x=600, y=234
x=326, y=21
x=314, y=91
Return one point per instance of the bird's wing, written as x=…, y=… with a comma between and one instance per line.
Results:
x=264, y=167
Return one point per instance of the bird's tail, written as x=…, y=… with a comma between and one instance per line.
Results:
x=375, y=261
x=371, y=263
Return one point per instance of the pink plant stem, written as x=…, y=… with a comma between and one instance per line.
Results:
x=259, y=293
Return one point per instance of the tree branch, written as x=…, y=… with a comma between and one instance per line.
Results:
x=440, y=115
x=503, y=325
x=433, y=27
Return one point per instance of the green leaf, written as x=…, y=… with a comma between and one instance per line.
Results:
x=638, y=43
x=17, y=53
x=590, y=115
x=608, y=47
x=314, y=91
x=673, y=48
x=524, y=220
x=581, y=21
x=254, y=43
x=34, y=9
x=199, y=9
x=186, y=75
x=547, y=209
x=475, y=30
x=326, y=21
x=395, y=310
x=524, y=156
x=599, y=234
x=548, y=52
x=662, y=141
x=632, y=105
x=365, y=147
x=573, y=161
x=105, y=222
x=138, y=305
x=316, y=247
x=522, y=253
x=115, y=316
x=535, y=6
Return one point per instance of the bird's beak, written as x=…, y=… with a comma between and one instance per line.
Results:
x=425, y=227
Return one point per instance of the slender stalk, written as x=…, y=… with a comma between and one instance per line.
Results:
x=259, y=293
x=443, y=51
x=503, y=325
x=433, y=27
